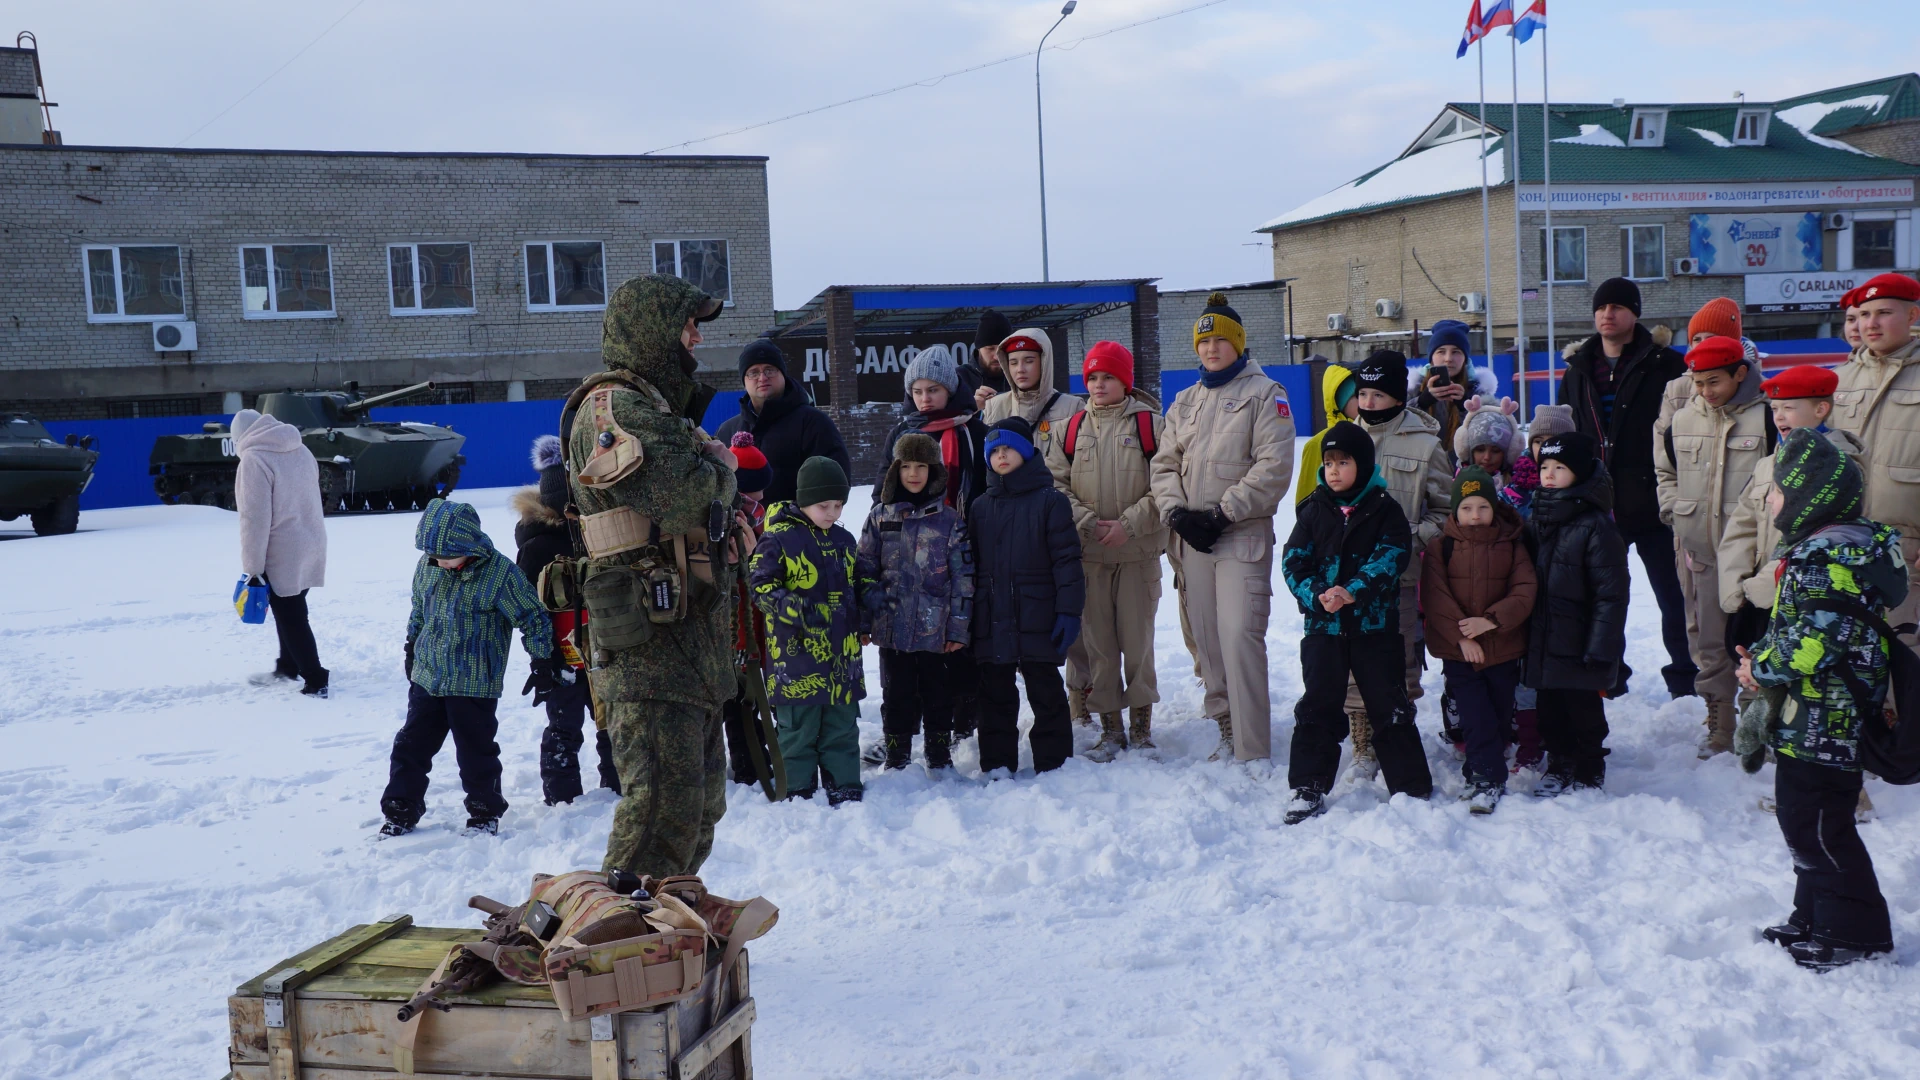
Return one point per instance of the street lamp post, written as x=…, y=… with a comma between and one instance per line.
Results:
x=1039, y=127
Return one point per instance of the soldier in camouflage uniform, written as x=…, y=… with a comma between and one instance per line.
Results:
x=646, y=480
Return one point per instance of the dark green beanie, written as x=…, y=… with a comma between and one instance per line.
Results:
x=821, y=480
x=1473, y=480
x=1818, y=485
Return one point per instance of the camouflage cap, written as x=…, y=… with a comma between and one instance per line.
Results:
x=641, y=332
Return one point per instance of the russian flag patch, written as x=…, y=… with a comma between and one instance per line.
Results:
x=1281, y=407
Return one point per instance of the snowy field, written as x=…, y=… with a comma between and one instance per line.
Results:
x=170, y=831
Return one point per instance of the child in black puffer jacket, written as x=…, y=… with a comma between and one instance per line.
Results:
x=1578, y=634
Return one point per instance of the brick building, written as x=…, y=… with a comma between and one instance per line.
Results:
x=1774, y=204
x=148, y=281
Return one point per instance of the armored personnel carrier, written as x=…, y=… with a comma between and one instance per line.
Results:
x=364, y=464
x=43, y=478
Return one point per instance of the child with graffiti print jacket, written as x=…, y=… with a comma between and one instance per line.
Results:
x=806, y=582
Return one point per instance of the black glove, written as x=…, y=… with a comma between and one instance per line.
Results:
x=1199, y=528
x=409, y=653
x=543, y=680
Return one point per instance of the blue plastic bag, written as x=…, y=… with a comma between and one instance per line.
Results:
x=250, y=601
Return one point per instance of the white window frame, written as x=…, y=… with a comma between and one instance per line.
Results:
x=413, y=247
x=119, y=302
x=676, y=241
x=1903, y=248
x=1546, y=253
x=1637, y=139
x=1626, y=250
x=526, y=285
x=273, y=285
x=1762, y=119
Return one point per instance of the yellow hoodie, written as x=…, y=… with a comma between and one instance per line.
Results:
x=1334, y=378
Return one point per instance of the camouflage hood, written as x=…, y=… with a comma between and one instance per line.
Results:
x=641, y=335
x=449, y=530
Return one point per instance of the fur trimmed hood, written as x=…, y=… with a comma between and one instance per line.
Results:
x=526, y=503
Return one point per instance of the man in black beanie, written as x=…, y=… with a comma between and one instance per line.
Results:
x=984, y=375
x=782, y=418
x=1614, y=382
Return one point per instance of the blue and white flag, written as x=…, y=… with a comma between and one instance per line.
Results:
x=1534, y=18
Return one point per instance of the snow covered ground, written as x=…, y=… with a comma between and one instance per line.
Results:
x=169, y=831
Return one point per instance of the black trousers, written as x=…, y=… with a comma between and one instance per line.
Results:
x=733, y=720
x=913, y=692
x=963, y=683
x=1837, y=897
x=561, y=741
x=1573, y=728
x=1052, y=734
x=298, y=653
x=1656, y=557
x=430, y=719
x=1378, y=665
x=1485, y=701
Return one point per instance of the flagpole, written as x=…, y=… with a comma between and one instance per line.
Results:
x=1486, y=220
x=1546, y=194
x=1519, y=276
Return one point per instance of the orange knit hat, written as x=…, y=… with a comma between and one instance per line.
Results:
x=1719, y=316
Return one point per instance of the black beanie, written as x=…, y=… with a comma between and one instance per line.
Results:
x=1818, y=484
x=1385, y=371
x=1572, y=449
x=993, y=329
x=1618, y=290
x=1352, y=440
x=762, y=351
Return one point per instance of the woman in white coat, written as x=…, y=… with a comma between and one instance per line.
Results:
x=283, y=538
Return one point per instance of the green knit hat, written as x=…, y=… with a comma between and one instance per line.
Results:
x=821, y=480
x=1473, y=480
x=1818, y=485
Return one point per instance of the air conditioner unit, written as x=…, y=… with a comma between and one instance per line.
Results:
x=1338, y=323
x=1687, y=268
x=1836, y=221
x=1386, y=309
x=176, y=336
x=1473, y=303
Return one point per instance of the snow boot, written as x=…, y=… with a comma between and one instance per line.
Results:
x=1450, y=725
x=898, y=751
x=1720, y=722
x=1553, y=785
x=1787, y=934
x=1527, y=749
x=391, y=828
x=1112, y=739
x=1306, y=803
x=481, y=826
x=1224, y=751
x=317, y=688
x=1365, y=766
x=1077, y=706
x=1863, y=810
x=804, y=794
x=939, y=749
x=1818, y=956
x=837, y=795
x=876, y=754
x=283, y=671
x=1484, y=797
x=1140, y=727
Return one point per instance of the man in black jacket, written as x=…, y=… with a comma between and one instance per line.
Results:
x=985, y=375
x=1614, y=383
x=783, y=420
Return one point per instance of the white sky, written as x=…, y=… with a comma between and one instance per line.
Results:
x=1166, y=145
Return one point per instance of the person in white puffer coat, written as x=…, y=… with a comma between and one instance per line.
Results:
x=283, y=538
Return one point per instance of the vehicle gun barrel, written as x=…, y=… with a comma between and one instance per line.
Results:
x=387, y=398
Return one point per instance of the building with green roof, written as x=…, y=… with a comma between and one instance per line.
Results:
x=1770, y=203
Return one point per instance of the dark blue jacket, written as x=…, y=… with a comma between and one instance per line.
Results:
x=1026, y=554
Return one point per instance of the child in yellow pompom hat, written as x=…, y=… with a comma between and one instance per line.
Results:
x=1337, y=398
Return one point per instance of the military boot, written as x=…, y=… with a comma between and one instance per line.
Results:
x=1113, y=739
x=1720, y=723
x=1223, y=752
x=1364, y=766
x=1077, y=706
x=1140, y=727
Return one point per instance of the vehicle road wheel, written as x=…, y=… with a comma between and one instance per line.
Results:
x=447, y=479
x=58, y=519
x=422, y=495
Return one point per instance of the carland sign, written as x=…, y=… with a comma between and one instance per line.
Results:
x=1813, y=291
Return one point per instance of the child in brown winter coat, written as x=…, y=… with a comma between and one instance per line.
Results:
x=1477, y=584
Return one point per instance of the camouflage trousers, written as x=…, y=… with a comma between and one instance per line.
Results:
x=673, y=781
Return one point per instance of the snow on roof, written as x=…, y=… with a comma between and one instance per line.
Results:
x=1592, y=135
x=1713, y=137
x=1805, y=117
x=1440, y=170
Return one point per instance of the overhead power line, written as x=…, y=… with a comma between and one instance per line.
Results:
x=256, y=86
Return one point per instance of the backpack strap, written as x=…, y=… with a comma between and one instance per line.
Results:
x=1073, y=433
x=1145, y=419
x=1773, y=433
x=1446, y=549
x=1142, y=420
x=1846, y=605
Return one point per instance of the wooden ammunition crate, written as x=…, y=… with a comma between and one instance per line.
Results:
x=329, y=1014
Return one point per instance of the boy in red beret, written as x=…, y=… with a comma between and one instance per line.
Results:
x=1702, y=462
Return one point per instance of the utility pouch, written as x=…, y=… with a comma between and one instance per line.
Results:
x=559, y=585
x=662, y=583
x=617, y=615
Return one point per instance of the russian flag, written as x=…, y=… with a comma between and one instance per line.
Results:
x=1480, y=24
x=1534, y=18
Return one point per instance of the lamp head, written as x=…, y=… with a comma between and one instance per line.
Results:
x=1068, y=10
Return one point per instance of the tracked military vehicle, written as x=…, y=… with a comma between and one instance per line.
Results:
x=364, y=464
x=43, y=478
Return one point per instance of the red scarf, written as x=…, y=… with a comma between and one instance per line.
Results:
x=947, y=429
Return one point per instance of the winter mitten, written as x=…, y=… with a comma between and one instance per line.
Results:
x=409, y=654
x=542, y=681
x=1191, y=529
x=1066, y=630
x=1756, y=719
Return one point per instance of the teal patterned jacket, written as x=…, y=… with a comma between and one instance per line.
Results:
x=462, y=622
x=1805, y=652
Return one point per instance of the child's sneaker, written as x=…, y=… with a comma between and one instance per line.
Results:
x=1306, y=803
x=1553, y=785
x=875, y=754
x=391, y=828
x=482, y=826
x=1484, y=798
x=1822, y=957
x=1786, y=934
